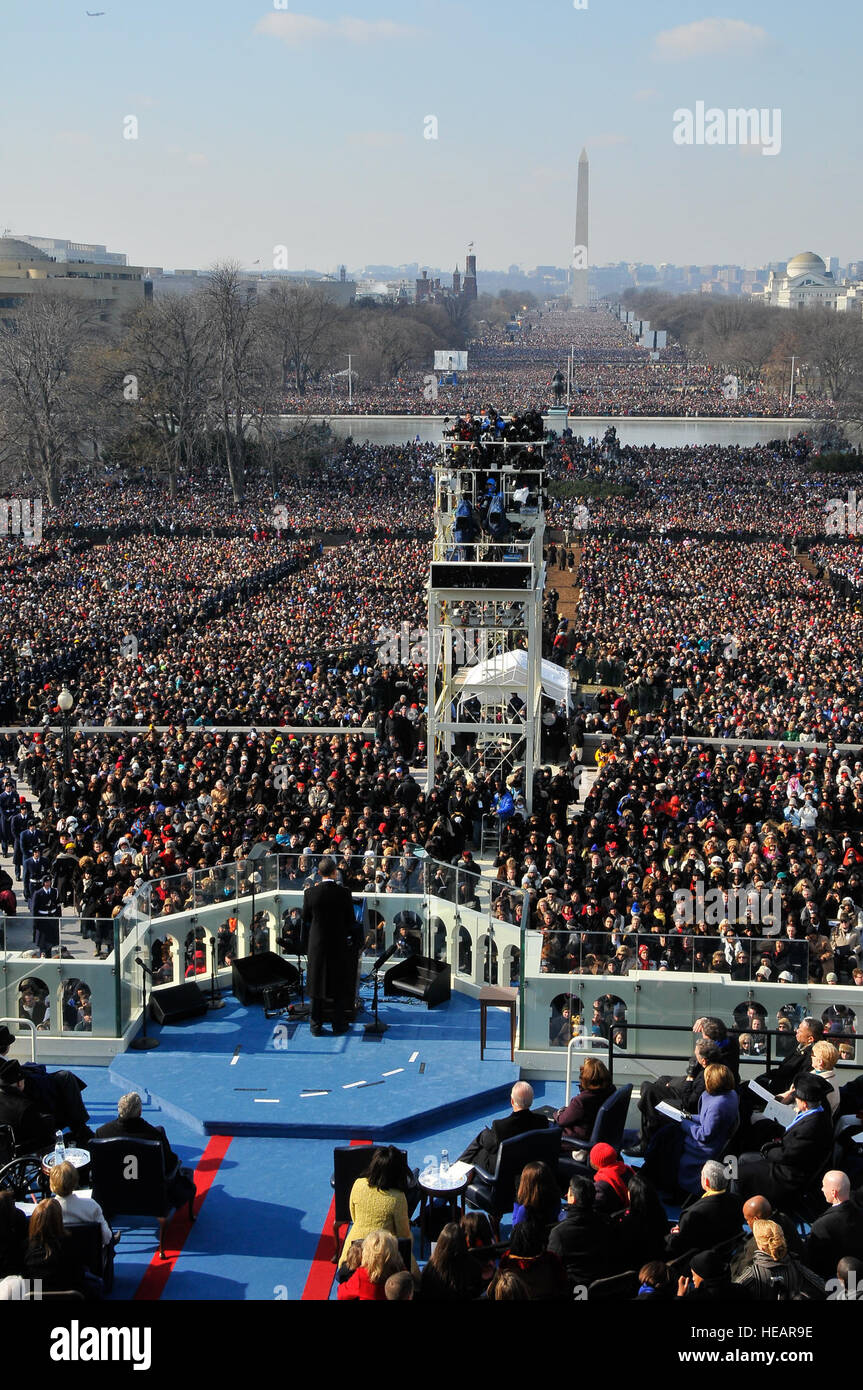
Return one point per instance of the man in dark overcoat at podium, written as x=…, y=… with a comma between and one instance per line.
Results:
x=332, y=939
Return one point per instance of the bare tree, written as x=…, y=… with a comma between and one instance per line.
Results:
x=235, y=366
x=834, y=343
x=39, y=405
x=298, y=322
x=164, y=385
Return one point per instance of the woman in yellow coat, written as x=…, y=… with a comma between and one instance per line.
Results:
x=378, y=1201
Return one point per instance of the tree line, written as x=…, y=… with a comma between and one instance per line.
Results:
x=198, y=376
x=757, y=342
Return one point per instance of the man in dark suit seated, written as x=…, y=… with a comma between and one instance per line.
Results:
x=582, y=1239
x=181, y=1186
x=785, y=1167
x=780, y=1080
x=483, y=1150
x=707, y=1218
x=57, y=1093
x=759, y=1209
x=840, y=1230
x=34, y=1130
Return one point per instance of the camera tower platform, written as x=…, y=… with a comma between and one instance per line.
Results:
x=485, y=610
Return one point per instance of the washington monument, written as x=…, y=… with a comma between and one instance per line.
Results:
x=578, y=291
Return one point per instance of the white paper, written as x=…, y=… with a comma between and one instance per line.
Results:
x=774, y=1109
x=665, y=1109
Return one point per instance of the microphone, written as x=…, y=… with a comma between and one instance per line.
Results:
x=146, y=969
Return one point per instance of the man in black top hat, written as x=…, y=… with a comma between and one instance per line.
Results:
x=33, y=1130
x=786, y=1167
x=56, y=1093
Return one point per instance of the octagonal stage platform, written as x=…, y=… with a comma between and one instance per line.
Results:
x=235, y=1072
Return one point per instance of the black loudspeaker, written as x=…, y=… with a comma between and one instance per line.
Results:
x=177, y=1002
x=253, y=975
x=420, y=977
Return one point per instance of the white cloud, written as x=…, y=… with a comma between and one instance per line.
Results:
x=602, y=142
x=645, y=94
x=709, y=37
x=295, y=29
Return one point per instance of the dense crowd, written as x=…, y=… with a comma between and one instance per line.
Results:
x=613, y=375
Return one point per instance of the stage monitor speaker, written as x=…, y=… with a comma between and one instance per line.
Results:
x=420, y=977
x=252, y=975
x=176, y=1003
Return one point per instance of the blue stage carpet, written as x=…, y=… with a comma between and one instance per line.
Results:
x=236, y=1072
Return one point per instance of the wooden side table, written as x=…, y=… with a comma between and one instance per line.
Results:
x=497, y=997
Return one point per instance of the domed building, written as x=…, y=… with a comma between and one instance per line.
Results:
x=806, y=284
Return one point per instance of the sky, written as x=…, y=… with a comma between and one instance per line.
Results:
x=259, y=127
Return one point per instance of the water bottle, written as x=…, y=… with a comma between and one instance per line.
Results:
x=59, y=1148
x=444, y=1163
x=429, y=1172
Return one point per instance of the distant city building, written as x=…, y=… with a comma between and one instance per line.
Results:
x=60, y=250
x=805, y=284
x=110, y=288
x=430, y=290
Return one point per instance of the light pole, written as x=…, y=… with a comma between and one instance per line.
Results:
x=65, y=701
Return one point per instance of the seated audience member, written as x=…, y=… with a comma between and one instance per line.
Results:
x=786, y=1166
x=538, y=1195
x=774, y=1273
x=48, y=1257
x=610, y=1179
x=57, y=1093
x=483, y=1150
x=13, y=1235
x=824, y=1058
x=781, y=1078
x=378, y=1201
x=581, y=1238
x=638, y=1234
x=480, y=1235
x=77, y=1210
x=759, y=1209
x=706, y=1136
x=379, y=1259
x=653, y=1281
x=708, y=1280
x=849, y=1275
x=683, y=1092
x=34, y=1130
x=839, y=1231
x=707, y=1218
x=452, y=1275
x=181, y=1186
x=507, y=1286
x=399, y=1288
x=529, y=1256
x=595, y=1086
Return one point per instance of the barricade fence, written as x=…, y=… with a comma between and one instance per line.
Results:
x=192, y=926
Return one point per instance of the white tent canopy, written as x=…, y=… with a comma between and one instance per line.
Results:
x=507, y=675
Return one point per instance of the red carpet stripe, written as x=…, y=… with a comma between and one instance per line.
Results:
x=322, y=1271
x=159, y=1271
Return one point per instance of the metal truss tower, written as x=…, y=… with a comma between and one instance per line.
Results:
x=485, y=611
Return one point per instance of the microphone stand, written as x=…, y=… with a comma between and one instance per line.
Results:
x=143, y=1043
x=376, y=1028
x=215, y=1001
